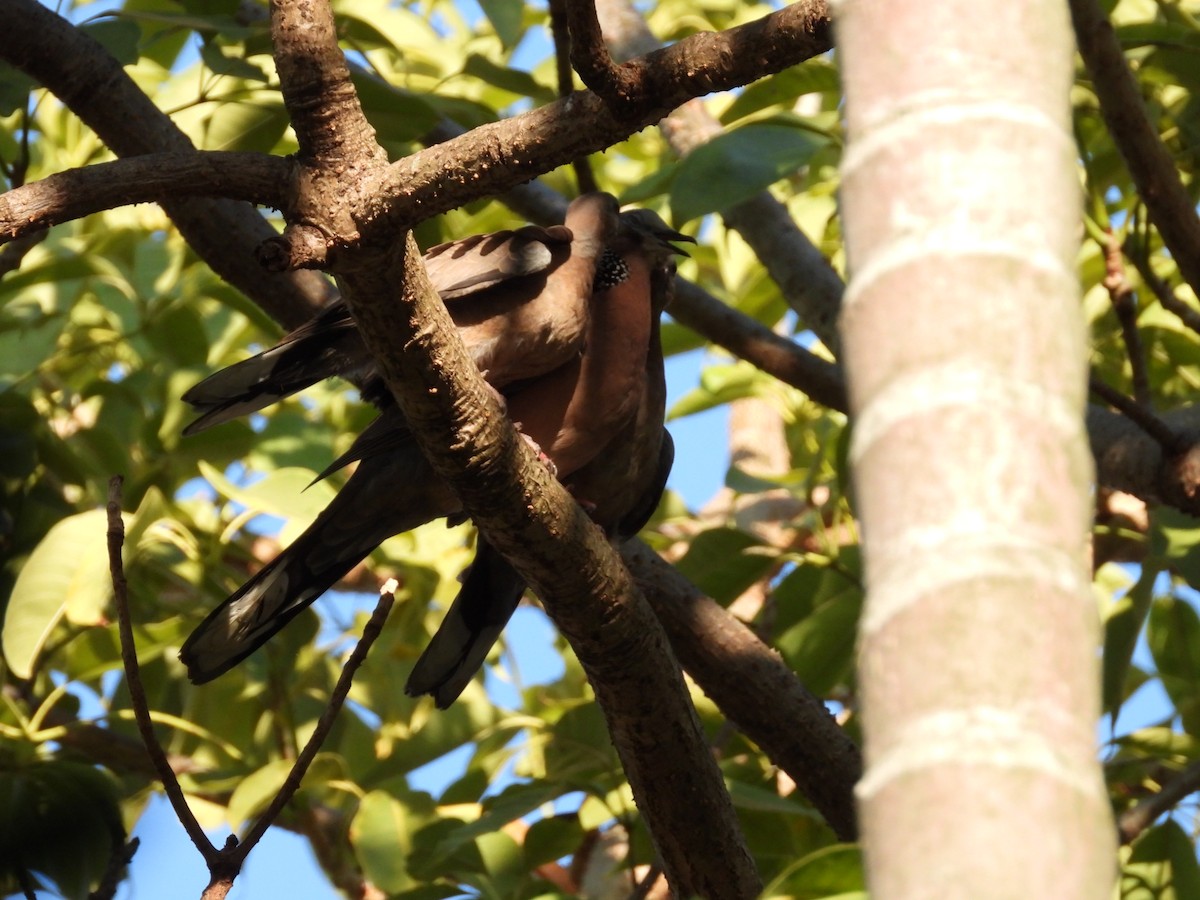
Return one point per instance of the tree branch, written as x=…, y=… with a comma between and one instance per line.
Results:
x=133, y=678
x=85, y=77
x=1132, y=822
x=1171, y=441
x=324, y=724
x=1154, y=172
x=615, y=84
x=1125, y=306
x=754, y=342
x=809, y=284
x=1128, y=459
x=530, y=517
x=157, y=177
x=755, y=689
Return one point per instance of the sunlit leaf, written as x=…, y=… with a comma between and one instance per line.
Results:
x=66, y=575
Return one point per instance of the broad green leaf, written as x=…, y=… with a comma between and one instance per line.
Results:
x=512, y=80
x=66, y=575
x=382, y=833
x=513, y=802
x=238, y=67
x=1173, y=634
x=834, y=871
x=119, y=36
x=579, y=748
x=59, y=818
x=784, y=88
x=18, y=444
x=1175, y=537
x=1121, y=630
x=256, y=124
x=1163, y=864
x=551, y=839
x=256, y=790
x=720, y=385
x=724, y=562
x=758, y=798
x=284, y=492
x=821, y=648
x=737, y=165
x=505, y=16
x=397, y=115
x=14, y=89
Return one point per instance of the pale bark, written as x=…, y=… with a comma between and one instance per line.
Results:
x=965, y=353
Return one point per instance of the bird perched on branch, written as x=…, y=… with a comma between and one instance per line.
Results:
x=519, y=299
x=621, y=487
x=572, y=411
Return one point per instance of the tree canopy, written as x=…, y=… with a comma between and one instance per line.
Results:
x=137, y=141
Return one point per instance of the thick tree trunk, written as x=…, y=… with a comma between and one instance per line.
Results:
x=966, y=357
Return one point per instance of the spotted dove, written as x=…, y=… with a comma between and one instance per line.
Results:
x=570, y=411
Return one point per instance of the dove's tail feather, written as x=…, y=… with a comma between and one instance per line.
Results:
x=490, y=594
x=322, y=348
x=368, y=510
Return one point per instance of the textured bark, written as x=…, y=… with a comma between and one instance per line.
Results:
x=966, y=357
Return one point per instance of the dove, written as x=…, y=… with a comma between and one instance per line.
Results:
x=571, y=412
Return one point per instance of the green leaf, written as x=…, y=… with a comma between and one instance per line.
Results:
x=512, y=80
x=1121, y=630
x=382, y=833
x=120, y=37
x=216, y=59
x=177, y=334
x=820, y=649
x=816, y=76
x=245, y=126
x=724, y=562
x=1175, y=537
x=737, y=165
x=1173, y=634
x=284, y=492
x=722, y=384
x=256, y=790
x=579, y=747
x=18, y=444
x=505, y=16
x=61, y=819
x=1163, y=864
x=551, y=839
x=834, y=871
x=15, y=86
x=397, y=115
x=67, y=574
x=760, y=799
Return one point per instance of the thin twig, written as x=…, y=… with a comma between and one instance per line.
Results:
x=1137, y=819
x=584, y=176
x=1154, y=172
x=1140, y=415
x=292, y=783
x=133, y=677
x=1166, y=296
x=1124, y=303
